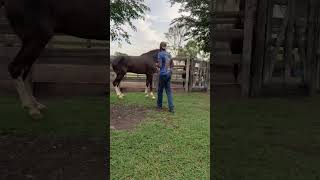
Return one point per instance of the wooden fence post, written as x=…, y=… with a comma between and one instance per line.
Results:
x=250, y=9
x=289, y=40
x=208, y=76
x=268, y=57
x=186, y=87
x=259, y=51
x=311, y=59
x=191, y=75
x=155, y=81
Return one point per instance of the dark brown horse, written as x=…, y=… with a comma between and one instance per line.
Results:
x=36, y=21
x=143, y=64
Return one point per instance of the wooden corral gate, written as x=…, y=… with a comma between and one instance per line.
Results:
x=68, y=66
x=196, y=75
x=277, y=50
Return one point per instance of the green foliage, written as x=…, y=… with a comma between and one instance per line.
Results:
x=175, y=37
x=65, y=117
x=124, y=12
x=192, y=50
x=197, y=23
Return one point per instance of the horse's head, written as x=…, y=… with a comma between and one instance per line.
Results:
x=152, y=54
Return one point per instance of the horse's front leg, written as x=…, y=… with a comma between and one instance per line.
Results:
x=20, y=67
x=26, y=99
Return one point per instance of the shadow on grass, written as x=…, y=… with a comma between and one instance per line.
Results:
x=267, y=138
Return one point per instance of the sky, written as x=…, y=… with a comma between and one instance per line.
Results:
x=150, y=32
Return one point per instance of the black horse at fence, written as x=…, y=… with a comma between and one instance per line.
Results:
x=143, y=64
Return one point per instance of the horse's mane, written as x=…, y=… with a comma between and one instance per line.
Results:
x=152, y=52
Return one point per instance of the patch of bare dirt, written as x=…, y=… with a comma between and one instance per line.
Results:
x=126, y=117
x=35, y=158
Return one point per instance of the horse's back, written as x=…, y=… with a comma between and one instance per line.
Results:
x=81, y=18
x=134, y=64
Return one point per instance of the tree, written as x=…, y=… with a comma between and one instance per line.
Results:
x=175, y=37
x=123, y=12
x=197, y=23
x=192, y=50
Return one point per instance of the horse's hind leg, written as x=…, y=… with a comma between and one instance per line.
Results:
x=116, y=84
x=149, y=82
x=146, y=91
x=19, y=70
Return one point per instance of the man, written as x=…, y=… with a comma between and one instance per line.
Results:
x=165, y=65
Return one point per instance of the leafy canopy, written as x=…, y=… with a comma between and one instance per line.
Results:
x=197, y=22
x=123, y=12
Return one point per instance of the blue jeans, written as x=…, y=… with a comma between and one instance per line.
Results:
x=164, y=83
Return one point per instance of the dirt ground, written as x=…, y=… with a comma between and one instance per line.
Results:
x=126, y=117
x=37, y=158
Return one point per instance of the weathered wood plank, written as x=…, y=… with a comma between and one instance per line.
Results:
x=69, y=73
x=259, y=50
x=228, y=34
x=267, y=57
x=186, y=87
x=280, y=2
x=226, y=59
x=250, y=9
x=226, y=21
x=310, y=47
x=228, y=14
x=288, y=56
x=62, y=56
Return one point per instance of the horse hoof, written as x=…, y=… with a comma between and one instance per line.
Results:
x=35, y=114
x=120, y=97
x=146, y=95
x=41, y=106
x=153, y=97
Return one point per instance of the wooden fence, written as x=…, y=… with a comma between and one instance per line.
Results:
x=262, y=24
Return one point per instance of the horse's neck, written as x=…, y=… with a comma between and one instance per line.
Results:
x=150, y=53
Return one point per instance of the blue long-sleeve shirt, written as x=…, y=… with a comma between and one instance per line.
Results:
x=164, y=60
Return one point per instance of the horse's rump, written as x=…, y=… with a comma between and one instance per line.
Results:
x=81, y=18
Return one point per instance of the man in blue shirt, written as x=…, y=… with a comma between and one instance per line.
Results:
x=165, y=64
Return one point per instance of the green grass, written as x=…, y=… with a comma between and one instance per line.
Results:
x=165, y=146
x=267, y=139
x=76, y=116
